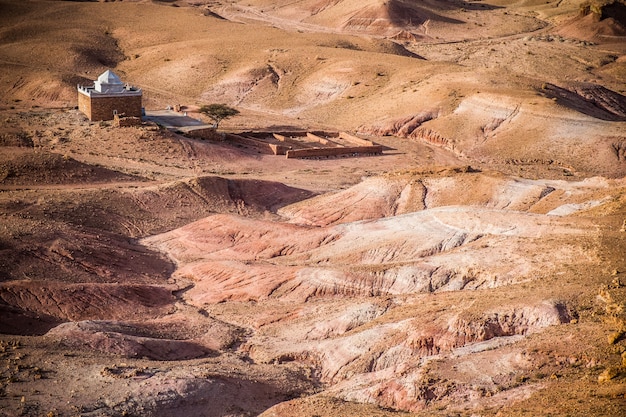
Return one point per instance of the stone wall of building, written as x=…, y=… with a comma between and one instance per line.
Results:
x=84, y=104
x=102, y=108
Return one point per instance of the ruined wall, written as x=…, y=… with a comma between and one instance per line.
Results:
x=207, y=134
x=280, y=149
x=326, y=152
x=126, y=121
x=306, y=144
x=262, y=146
x=319, y=139
x=355, y=139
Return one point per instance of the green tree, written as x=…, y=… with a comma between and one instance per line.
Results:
x=218, y=112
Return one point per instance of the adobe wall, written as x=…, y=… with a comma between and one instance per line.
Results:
x=102, y=107
x=280, y=149
x=126, y=121
x=208, y=133
x=319, y=152
x=84, y=104
x=355, y=139
x=308, y=145
x=303, y=135
x=262, y=146
x=258, y=144
x=321, y=140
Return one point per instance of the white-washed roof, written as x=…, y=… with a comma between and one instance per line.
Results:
x=109, y=82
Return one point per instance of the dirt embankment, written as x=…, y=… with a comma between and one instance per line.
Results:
x=599, y=21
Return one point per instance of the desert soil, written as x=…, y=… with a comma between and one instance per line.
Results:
x=476, y=268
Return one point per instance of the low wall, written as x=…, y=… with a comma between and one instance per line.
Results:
x=356, y=140
x=258, y=144
x=280, y=149
x=126, y=121
x=321, y=140
x=286, y=135
x=321, y=152
x=307, y=145
x=206, y=133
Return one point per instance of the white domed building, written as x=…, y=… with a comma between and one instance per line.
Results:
x=109, y=96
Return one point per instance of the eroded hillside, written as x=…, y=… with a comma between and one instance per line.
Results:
x=476, y=267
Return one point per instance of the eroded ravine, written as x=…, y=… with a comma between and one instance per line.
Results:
x=364, y=277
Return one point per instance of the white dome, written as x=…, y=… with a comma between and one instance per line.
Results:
x=109, y=82
x=109, y=77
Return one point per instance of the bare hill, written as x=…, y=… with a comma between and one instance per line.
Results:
x=407, y=192
x=25, y=167
x=400, y=19
x=599, y=21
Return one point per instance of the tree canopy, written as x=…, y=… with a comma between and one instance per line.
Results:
x=218, y=112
